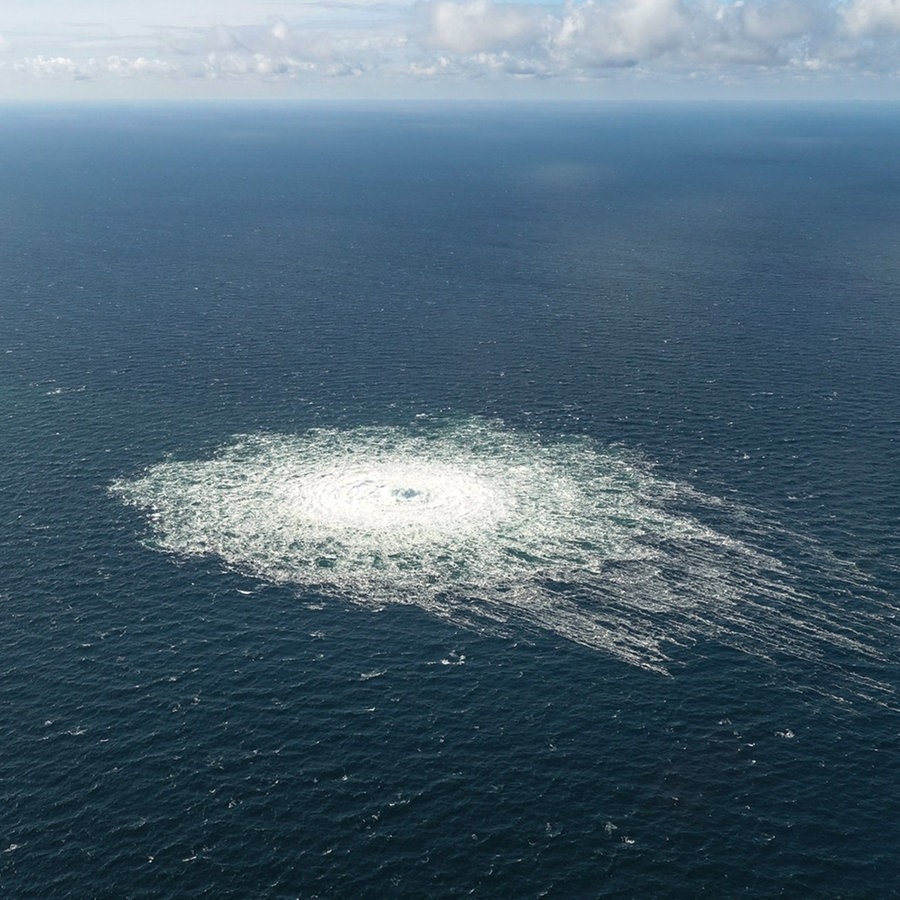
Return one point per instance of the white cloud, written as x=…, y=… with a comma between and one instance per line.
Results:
x=781, y=20
x=49, y=67
x=454, y=41
x=57, y=67
x=873, y=17
x=475, y=26
x=600, y=34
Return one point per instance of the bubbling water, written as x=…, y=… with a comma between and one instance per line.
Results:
x=490, y=528
x=404, y=494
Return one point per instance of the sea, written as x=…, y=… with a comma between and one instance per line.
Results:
x=403, y=500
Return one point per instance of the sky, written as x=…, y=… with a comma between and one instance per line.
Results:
x=95, y=50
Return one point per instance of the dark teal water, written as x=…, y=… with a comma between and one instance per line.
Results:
x=710, y=296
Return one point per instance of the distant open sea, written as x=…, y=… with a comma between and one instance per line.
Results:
x=479, y=501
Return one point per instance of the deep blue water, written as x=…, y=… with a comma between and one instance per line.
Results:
x=712, y=294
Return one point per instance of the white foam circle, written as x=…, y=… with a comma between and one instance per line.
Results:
x=489, y=527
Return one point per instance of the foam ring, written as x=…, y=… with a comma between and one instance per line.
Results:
x=490, y=528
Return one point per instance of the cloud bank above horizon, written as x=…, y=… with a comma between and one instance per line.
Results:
x=102, y=48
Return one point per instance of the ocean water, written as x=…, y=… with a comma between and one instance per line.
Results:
x=495, y=502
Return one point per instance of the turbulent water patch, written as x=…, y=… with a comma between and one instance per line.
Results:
x=492, y=528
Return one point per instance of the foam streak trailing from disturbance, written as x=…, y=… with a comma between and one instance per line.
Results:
x=490, y=528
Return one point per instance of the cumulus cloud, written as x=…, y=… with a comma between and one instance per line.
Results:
x=873, y=18
x=49, y=67
x=476, y=25
x=601, y=34
x=573, y=40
